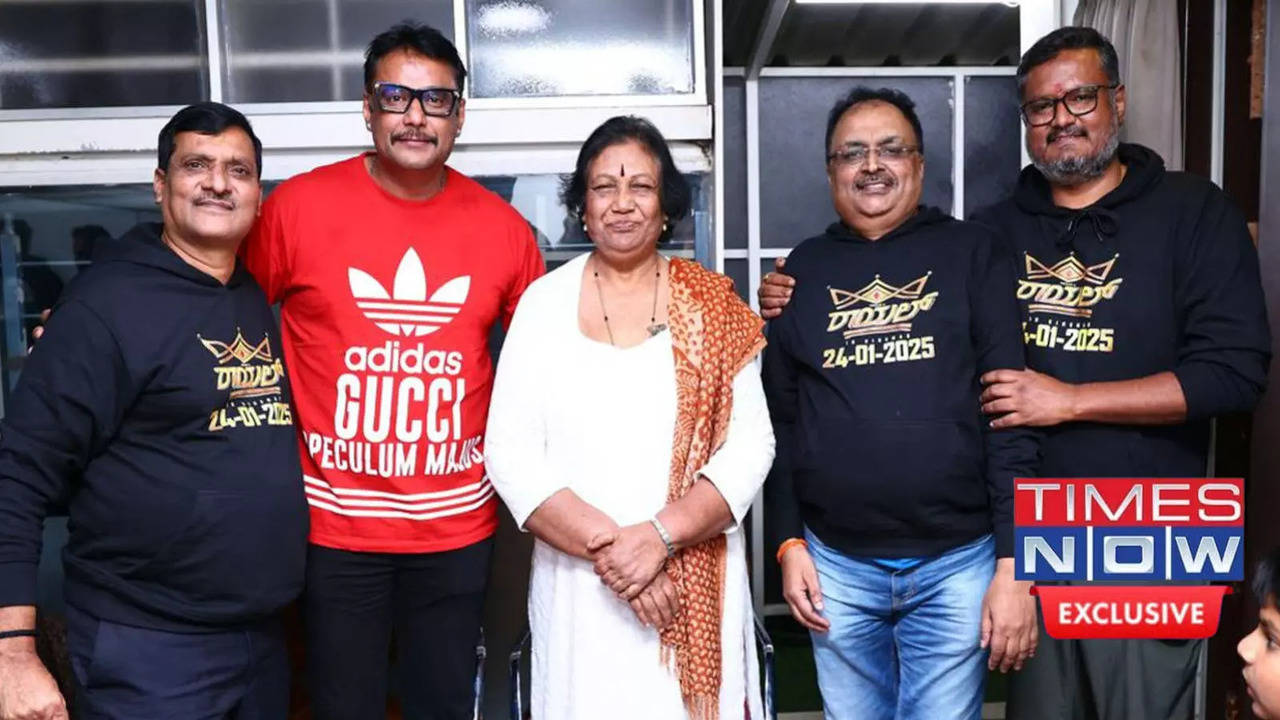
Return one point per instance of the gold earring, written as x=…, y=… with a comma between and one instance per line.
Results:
x=664, y=227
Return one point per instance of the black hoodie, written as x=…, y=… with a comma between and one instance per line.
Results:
x=156, y=407
x=1159, y=275
x=872, y=378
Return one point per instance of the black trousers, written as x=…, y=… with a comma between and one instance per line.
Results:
x=432, y=602
x=131, y=673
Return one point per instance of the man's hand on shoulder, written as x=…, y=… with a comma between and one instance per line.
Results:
x=775, y=290
x=36, y=332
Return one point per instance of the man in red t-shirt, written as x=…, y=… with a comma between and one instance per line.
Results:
x=391, y=269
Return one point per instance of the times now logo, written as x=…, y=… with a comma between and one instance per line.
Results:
x=1148, y=530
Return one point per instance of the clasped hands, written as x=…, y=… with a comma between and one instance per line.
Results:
x=630, y=562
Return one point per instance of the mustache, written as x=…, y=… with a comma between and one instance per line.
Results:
x=1068, y=131
x=880, y=176
x=414, y=136
x=211, y=199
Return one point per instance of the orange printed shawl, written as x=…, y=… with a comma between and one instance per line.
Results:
x=713, y=335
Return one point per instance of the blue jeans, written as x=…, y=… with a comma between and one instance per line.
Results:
x=903, y=645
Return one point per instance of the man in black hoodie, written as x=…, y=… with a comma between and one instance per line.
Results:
x=1144, y=318
x=892, y=498
x=156, y=407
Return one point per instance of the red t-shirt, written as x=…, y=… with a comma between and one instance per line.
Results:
x=386, y=310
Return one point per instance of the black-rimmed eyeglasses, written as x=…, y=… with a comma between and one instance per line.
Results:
x=1079, y=102
x=436, y=101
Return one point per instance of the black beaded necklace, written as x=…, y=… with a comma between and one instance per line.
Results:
x=654, y=327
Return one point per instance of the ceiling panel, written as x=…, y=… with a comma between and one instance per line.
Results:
x=877, y=34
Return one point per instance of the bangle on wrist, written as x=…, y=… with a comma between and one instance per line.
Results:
x=788, y=544
x=666, y=536
x=6, y=634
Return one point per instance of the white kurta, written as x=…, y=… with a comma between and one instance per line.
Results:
x=570, y=412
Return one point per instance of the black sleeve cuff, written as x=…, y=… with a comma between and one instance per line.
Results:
x=1004, y=539
x=1210, y=390
x=17, y=583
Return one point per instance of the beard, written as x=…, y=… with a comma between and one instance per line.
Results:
x=1076, y=169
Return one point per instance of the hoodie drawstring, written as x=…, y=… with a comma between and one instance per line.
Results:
x=1104, y=224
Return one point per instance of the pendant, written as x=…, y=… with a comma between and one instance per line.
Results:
x=656, y=328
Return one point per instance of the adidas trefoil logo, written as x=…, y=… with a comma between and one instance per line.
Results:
x=406, y=310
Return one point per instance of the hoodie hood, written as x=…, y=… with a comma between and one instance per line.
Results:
x=925, y=215
x=1143, y=169
x=143, y=245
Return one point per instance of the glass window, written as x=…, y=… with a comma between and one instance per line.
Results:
x=735, y=163
x=49, y=234
x=529, y=48
x=536, y=197
x=992, y=136
x=321, y=57
x=736, y=269
x=101, y=54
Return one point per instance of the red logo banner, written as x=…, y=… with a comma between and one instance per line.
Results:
x=1170, y=612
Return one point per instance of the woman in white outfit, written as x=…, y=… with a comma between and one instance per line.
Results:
x=628, y=432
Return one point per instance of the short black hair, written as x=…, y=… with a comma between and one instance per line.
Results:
x=674, y=193
x=419, y=38
x=1072, y=37
x=1266, y=579
x=862, y=94
x=206, y=118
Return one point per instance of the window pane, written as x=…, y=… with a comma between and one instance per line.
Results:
x=522, y=48
x=321, y=57
x=49, y=234
x=98, y=54
x=537, y=198
x=992, y=134
x=735, y=163
x=737, y=271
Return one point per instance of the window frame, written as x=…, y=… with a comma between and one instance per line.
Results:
x=213, y=52
x=699, y=96
x=93, y=144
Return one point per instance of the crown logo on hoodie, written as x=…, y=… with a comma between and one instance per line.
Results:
x=1070, y=270
x=878, y=291
x=237, y=372
x=877, y=315
x=238, y=349
x=1068, y=287
x=407, y=310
